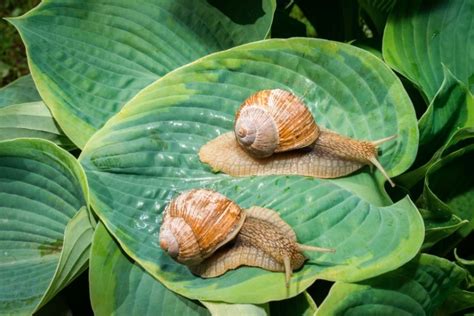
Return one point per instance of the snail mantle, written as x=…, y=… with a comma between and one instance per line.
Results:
x=275, y=134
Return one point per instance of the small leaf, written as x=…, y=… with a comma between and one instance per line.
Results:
x=23, y=114
x=439, y=226
x=417, y=288
x=118, y=286
x=89, y=58
x=31, y=120
x=448, y=189
x=421, y=35
x=42, y=188
x=22, y=90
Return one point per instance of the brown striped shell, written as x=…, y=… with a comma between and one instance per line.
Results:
x=196, y=223
x=274, y=121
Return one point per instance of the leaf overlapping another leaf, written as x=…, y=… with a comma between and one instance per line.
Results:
x=148, y=152
x=418, y=288
x=90, y=57
x=42, y=188
x=120, y=286
x=422, y=35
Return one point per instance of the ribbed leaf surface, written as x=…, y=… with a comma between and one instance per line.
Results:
x=42, y=187
x=148, y=153
x=90, y=57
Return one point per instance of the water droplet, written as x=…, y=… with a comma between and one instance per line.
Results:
x=140, y=204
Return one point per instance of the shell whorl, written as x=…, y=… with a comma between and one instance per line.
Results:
x=198, y=222
x=274, y=121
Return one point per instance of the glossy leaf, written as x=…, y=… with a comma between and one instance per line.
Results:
x=423, y=35
x=90, y=57
x=22, y=90
x=118, y=286
x=148, y=152
x=42, y=187
x=418, y=288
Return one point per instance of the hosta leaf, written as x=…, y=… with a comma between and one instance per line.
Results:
x=23, y=114
x=449, y=187
x=378, y=11
x=224, y=309
x=31, y=120
x=458, y=301
x=422, y=35
x=148, y=153
x=22, y=90
x=118, y=286
x=74, y=253
x=439, y=225
x=301, y=305
x=417, y=288
x=451, y=110
x=42, y=187
x=90, y=57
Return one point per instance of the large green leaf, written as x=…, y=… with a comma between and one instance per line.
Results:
x=90, y=57
x=22, y=90
x=449, y=186
x=118, y=286
x=148, y=152
x=441, y=126
x=42, y=187
x=439, y=225
x=418, y=288
x=421, y=35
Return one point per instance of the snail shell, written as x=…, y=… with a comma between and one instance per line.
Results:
x=198, y=222
x=274, y=121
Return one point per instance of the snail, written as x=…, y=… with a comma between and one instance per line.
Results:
x=275, y=133
x=211, y=235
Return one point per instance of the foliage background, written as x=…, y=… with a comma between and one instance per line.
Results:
x=340, y=21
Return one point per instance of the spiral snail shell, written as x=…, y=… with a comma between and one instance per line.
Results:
x=198, y=222
x=274, y=121
x=274, y=133
x=262, y=240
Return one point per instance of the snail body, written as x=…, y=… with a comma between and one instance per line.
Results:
x=264, y=240
x=317, y=152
